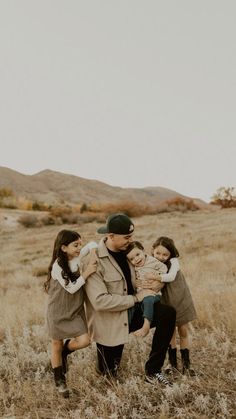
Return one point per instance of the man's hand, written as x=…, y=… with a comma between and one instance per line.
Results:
x=151, y=282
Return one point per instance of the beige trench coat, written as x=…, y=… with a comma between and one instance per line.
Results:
x=107, y=300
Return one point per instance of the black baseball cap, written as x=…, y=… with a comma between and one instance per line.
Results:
x=117, y=224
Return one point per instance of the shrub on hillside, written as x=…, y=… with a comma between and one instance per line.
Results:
x=66, y=214
x=24, y=204
x=71, y=218
x=225, y=197
x=7, y=201
x=9, y=205
x=5, y=192
x=84, y=208
x=180, y=204
x=90, y=218
x=48, y=220
x=60, y=216
x=130, y=208
x=28, y=220
x=60, y=211
x=135, y=209
x=95, y=207
x=39, y=206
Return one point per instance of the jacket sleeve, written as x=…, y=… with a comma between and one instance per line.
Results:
x=101, y=300
x=71, y=287
x=171, y=275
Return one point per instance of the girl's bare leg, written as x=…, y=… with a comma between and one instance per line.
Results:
x=79, y=342
x=183, y=336
x=56, y=359
x=72, y=345
x=173, y=340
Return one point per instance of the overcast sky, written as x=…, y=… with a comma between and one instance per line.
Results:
x=129, y=92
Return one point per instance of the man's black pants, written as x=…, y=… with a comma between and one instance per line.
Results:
x=109, y=357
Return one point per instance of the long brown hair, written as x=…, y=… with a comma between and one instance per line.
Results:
x=64, y=237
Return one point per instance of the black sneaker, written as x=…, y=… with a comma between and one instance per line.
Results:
x=158, y=378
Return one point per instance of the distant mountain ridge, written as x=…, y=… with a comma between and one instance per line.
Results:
x=52, y=187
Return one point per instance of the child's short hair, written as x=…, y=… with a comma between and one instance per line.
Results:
x=133, y=245
x=168, y=244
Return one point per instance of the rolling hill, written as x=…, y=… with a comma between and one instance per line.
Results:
x=52, y=187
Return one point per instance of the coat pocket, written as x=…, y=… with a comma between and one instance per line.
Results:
x=114, y=283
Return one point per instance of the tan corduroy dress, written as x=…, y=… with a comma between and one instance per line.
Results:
x=177, y=295
x=65, y=312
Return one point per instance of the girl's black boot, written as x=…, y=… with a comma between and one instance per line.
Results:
x=65, y=352
x=172, y=354
x=60, y=381
x=186, y=363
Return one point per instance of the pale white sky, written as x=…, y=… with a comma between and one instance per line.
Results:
x=129, y=92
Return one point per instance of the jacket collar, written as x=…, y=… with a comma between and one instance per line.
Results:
x=103, y=252
x=102, y=249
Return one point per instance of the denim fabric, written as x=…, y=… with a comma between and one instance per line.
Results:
x=148, y=306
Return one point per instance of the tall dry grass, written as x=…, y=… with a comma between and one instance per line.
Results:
x=207, y=244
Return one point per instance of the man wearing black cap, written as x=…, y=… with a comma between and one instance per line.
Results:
x=111, y=292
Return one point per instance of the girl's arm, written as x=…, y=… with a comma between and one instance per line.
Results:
x=72, y=287
x=171, y=275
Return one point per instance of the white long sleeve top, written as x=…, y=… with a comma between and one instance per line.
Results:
x=74, y=265
x=171, y=275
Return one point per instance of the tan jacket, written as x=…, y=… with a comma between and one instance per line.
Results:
x=107, y=300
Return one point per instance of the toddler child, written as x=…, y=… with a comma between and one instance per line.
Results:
x=144, y=264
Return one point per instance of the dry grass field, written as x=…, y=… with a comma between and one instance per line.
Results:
x=207, y=244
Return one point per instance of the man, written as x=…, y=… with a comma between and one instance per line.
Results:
x=111, y=292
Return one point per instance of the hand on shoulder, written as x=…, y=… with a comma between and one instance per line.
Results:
x=89, y=265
